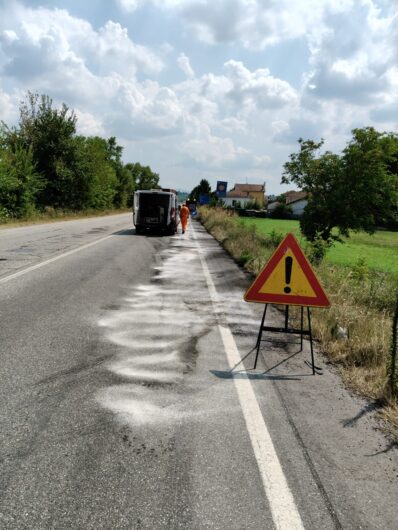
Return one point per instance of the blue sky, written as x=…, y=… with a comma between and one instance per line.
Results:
x=216, y=89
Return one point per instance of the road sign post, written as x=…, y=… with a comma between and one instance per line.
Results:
x=288, y=279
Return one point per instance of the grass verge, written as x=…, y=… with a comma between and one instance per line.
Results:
x=362, y=298
x=378, y=251
x=51, y=215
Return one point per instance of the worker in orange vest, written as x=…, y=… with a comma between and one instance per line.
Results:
x=184, y=216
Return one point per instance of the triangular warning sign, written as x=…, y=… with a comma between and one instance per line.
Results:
x=288, y=279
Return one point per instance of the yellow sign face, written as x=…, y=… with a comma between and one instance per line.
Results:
x=297, y=281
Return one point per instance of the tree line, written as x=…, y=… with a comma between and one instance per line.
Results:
x=357, y=190
x=45, y=164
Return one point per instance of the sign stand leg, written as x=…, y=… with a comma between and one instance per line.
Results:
x=310, y=334
x=301, y=327
x=286, y=317
x=259, y=335
x=296, y=331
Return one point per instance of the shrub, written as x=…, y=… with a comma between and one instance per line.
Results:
x=274, y=239
x=316, y=250
x=252, y=205
x=393, y=361
x=281, y=211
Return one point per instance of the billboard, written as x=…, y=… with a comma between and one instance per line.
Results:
x=221, y=189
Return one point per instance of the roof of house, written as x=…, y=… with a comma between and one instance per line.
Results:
x=248, y=187
x=294, y=196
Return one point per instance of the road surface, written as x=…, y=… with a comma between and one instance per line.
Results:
x=126, y=403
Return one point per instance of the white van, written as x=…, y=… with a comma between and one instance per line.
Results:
x=155, y=209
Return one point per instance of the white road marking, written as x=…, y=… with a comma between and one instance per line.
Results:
x=283, y=508
x=55, y=258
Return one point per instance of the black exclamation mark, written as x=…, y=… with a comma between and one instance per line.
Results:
x=288, y=273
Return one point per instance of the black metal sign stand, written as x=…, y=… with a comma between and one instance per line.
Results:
x=286, y=329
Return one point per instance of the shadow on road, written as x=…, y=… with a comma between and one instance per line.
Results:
x=268, y=370
x=125, y=232
x=148, y=233
x=370, y=407
x=251, y=375
x=392, y=445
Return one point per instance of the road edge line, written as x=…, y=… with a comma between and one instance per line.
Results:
x=283, y=507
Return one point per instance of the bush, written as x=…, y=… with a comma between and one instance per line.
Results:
x=282, y=211
x=273, y=239
x=316, y=250
x=360, y=271
x=19, y=182
x=252, y=205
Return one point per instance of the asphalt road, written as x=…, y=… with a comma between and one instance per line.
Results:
x=125, y=403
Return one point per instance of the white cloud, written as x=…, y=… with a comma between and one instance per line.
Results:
x=45, y=40
x=352, y=56
x=128, y=5
x=234, y=125
x=185, y=65
x=8, y=107
x=255, y=23
x=113, y=51
x=237, y=95
x=259, y=88
x=211, y=150
x=143, y=110
x=88, y=124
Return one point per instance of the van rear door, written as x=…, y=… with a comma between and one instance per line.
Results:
x=154, y=208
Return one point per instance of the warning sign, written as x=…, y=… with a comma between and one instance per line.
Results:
x=288, y=279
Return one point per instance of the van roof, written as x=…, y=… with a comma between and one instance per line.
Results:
x=165, y=191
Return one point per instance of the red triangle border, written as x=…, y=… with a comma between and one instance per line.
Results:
x=253, y=294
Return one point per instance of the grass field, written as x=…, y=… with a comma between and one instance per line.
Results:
x=378, y=251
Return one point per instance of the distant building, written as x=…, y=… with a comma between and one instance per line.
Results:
x=272, y=205
x=297, y=200
x=241, y=194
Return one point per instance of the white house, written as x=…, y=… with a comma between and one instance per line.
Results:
x=297, y=200
x=241, y=194
x=271, y=206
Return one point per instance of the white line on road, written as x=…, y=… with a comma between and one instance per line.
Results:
x=55, y=258
x=283, y=508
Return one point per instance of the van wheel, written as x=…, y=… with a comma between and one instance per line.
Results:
x=138, y=230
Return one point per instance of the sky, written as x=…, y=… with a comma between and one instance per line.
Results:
x=215, y=89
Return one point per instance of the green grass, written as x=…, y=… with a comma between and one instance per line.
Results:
x=378, y=251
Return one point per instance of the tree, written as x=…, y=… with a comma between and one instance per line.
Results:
x=125, y=185
x=99, y=171
x=49, y=133
x=143, y=178
x=19, y=181
x=203, y=188
x=346, y=192
x=370, y=161
x=43, y=162
x=322, y=177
